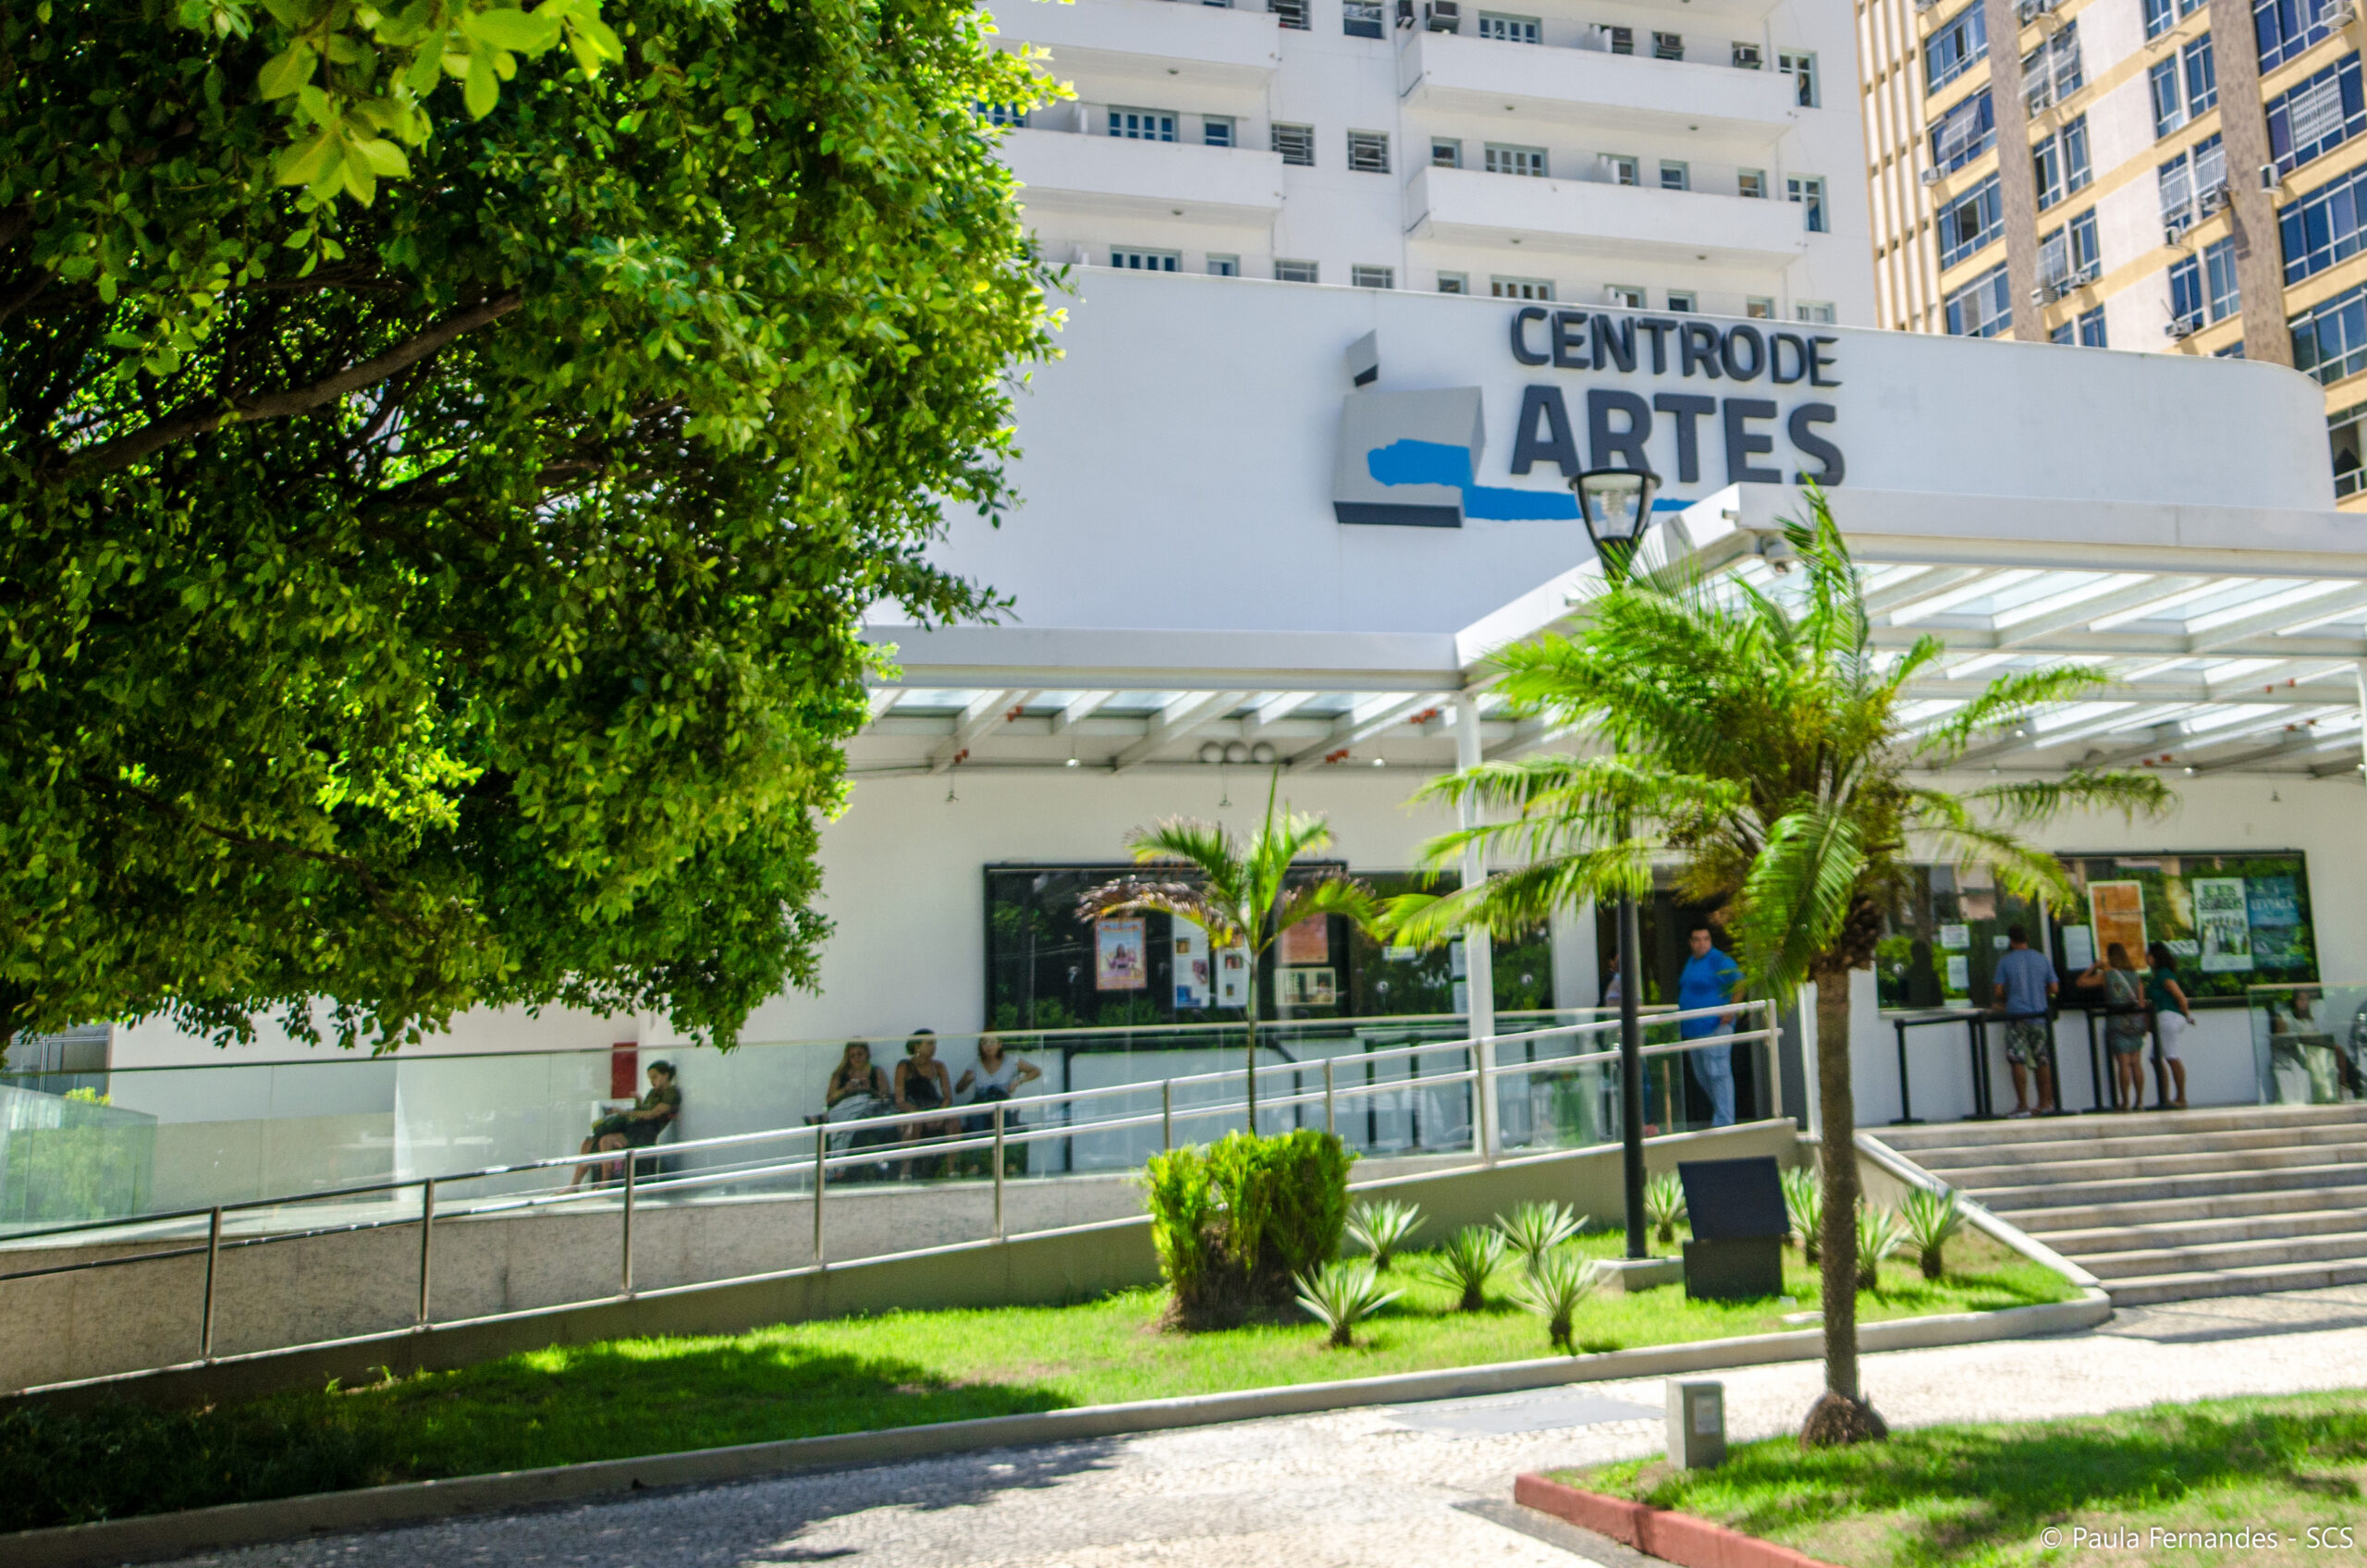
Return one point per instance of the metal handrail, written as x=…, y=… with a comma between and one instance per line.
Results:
x=1481, y=1074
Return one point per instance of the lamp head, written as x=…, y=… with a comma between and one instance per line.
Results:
x=1617, y=505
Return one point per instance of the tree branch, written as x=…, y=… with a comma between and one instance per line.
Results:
x=153, y=437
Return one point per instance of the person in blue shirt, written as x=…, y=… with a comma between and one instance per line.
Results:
x=1709, y=978
x=2025, y=992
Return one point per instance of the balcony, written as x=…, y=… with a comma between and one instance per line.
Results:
x=1165, y=39
x=1594, y=89
x=1062, y=170
x=1590, y=218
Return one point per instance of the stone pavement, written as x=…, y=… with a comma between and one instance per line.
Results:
x=1422, y=1485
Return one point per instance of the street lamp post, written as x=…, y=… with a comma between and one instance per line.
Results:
x=1617, y=505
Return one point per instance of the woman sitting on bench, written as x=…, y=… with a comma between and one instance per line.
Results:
x=634, y=1129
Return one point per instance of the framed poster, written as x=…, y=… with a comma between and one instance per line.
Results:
x=2117, y=911
x=1188, y=945
x=1233, y=976
x=1307, y=942
x=2222, y=926
x=1118, y=956
x=1305, y=985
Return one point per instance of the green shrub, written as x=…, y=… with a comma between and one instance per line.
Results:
x=1664, y=1206
x=1383, y=1229
x=1235, y=1223
x=1933, y=1221
x=1341, y=1295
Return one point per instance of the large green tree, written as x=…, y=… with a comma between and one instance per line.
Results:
x=1757, y=743
x=443, y=590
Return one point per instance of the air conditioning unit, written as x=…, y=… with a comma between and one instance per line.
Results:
x=2184, y=326
x=2268, y=179
x=2080, y=277
x=2045, y=294
x=2175, y=225
x=1443, y=15
x=2210, y=200
x=2030, y=10
x=1404, y=13
x=2342, y=15
x=1930, y=177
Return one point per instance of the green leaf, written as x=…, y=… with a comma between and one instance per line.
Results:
x=307, y=162
x=286, y=71
x=528, y=33
x=482, y=90
x=384, y=157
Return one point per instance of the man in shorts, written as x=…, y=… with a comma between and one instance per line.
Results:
x=2025, y=986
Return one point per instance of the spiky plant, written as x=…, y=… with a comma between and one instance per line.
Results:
x=1933, y=1219
x=1534, y=1229
x=1383, y=1229
x=1665, y=1207
x=1554, y=1285
x=1880, y=1236
x=1803, y=1201
x=1472, y=1257
x=1341, y=1295
x=1754, y=736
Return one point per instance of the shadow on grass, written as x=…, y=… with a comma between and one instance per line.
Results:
x=1955, y=1494
x=566, y=1405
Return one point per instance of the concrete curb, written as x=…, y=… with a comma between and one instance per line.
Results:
x=1657, y=1532
x=154, y=1536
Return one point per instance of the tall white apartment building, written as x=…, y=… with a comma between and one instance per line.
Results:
x=1679, y=155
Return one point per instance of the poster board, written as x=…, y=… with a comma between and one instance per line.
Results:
x=2231, y=919
x=2116, y=913
x=1188, y=949
x=1118, y=962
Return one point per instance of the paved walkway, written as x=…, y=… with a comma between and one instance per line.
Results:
x=1413, y=1485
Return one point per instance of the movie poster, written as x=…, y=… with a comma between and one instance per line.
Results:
x=2272, y=910
x=2222, y=926
x=1307, y=942
x=1118, y=956
x=1194, y=980
x=1305, y=987
x=1233, y=976
x=2117, y=911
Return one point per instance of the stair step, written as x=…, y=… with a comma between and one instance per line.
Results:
x=2351, y=1157
x=2052, y=1194
x=2039, y=1128
x=2155, y=1209
x=2223, y=1257
x=2181, y=1230
x=1941, y=1161
x=2195, y=1285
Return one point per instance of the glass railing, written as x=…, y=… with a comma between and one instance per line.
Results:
x=2309, y=1042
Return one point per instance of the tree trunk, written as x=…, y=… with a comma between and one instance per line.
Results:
x=1842, y=1415
x=1249, y=1017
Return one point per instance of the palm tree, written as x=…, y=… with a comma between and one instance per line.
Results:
x=1243, y=897
x=1757, y=739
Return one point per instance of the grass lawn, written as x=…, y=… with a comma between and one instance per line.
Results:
x=1985, y=1497
x=627, y=1397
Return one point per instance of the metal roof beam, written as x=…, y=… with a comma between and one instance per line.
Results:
x=2086, y=611
x=1177, y=722
x=1351, y=730
x=1079, y=708
x=2314, y=611
x=985, y=711
x=2299, y=741
x=1922, y=585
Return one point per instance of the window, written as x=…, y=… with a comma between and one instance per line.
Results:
x=1142, y=125
x=1002, y=114
x=2067, y=257
x=2193, y=185
x=2330, y=340
x=2061, y=332
x=1223, y=267
x=1808, y=191
x=1363, y=18
x=2186, y=296
x=1955, y=47
x=2234, y=350
x=1983, y=308
x=2342, y=435
x=2285, y=28
x=1373, y=277
x=1368, y=151
x=1453, y=283
x=1972, y=220
x=1965, y=131
x=1508, y=30
x=1528, y=161
x=2219, y=278
x=1759, y=308
x=1445, y=154
x=1618, y=39
x=1296, y=144
x=2158, y=18
x=2202, y=288
x=1815, y=313
x=1215, y=130
x=1668, y=46
x=2327, y=226
x=1745, y=56
x=2317, y=115
x=2092, y=328
x=1620, y=169
x=1751, y=183
x=1802, y=66
x=1295, y=272
x=1519, y=289
x=1676, y=176
x=1145, y=261
x=1291, y=14
x=1682, y=299
x=2051, y=72
x=1625, y=294
x=2059, y=163
x=2184, y=85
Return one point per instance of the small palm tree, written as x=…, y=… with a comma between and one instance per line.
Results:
x=1341, y=1295
x=1534, y=1229
x=1553, y=1287
x=1933, y=1221
x=1471, y=1258
x=1665, y=1207
x=1880, y=1236
x=1804, y=1202
x=1383, y=1229
x=1244, y=896
x=1759, y=741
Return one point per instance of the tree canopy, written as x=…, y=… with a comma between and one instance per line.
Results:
x=443, y=590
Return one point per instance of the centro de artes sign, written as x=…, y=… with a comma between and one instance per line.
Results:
x=1693, y=401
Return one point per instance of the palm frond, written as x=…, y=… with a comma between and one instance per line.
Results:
x=1132, y=895
x=1514, y=902
x=1798, y=894
x=1182, y=841
x=1327, y=894
x=2008, y=698
x=2040, y=801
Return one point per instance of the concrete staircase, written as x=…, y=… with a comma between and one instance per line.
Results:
x=2169, y=1205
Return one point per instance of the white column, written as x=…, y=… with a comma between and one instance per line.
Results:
x=2359, y=675
x=1478, y=960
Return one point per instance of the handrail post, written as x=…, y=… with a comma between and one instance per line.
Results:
x=999, y=1105
x=1167, y=1113
x=821, y=1176
x=212, y=1257
x=1331, y=1123
x=427, y=1239
x=1482, y=1114
x=1774, y=1043
x=633, y=1160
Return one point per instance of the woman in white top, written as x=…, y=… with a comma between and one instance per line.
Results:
x=996, y=1075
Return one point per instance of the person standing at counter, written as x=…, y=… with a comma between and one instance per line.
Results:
x=2025, y=994
x=2172, y=1017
